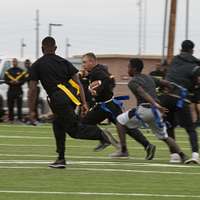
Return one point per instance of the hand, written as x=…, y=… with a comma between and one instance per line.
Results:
x=84, y=109
x=163, y=110
x=93, y=92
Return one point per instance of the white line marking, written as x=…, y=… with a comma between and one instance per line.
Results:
x=40, y=137
x=102, y=194
x=96, y=163
x=24, y=137
x=75, y=146
x=76, y=157
x=104, y=170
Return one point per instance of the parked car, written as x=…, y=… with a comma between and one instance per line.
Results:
x=5, y=64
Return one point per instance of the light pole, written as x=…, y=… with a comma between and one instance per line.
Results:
x=22, y=45
x=37, y=29
x=67, y=48
x=165, y=31
x=187, y=19
x=50, y=27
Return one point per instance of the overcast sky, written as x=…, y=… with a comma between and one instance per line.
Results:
x=102, y=26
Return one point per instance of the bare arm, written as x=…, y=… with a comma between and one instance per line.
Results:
x=32, y=95
x=82, y=94
x=150, y=100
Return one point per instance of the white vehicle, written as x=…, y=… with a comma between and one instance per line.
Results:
x=5, y=64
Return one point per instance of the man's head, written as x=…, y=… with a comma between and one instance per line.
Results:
x=15, y=62
x=89, y=61
x=135, y=66
x=27, y=63
x=49, y=45
x=187, y=46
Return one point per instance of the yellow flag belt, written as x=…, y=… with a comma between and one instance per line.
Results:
x=74, y=99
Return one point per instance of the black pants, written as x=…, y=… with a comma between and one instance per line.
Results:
x=97, y=115
x=182, y=117
x=66, y=121
x=12, y=98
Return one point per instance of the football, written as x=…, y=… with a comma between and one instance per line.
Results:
x=94, y=85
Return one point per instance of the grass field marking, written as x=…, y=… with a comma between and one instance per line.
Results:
x=106, y=170
x=76, y=146
x=25, y=126
x=77, y=157
x=102, y=194
x=25, y=137
x=45, y=131
x=99, y=163
x=42, y=137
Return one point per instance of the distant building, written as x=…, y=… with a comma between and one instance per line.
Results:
x=117, y=65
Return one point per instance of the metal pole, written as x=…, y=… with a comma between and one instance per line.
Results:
x=67, y=48
x=140, y=28
x=50, y=29
x=37, y=35
x=144, y=26
x=187, y=20
x=22, y=45
x=165, y=30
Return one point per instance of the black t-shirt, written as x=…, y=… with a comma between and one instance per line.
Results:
x=181, y=70
x=52, y=70
x=105, y=90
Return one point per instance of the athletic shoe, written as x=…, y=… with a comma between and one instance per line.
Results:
x=184, y=158
x=59, y=164
x=119, y=154
x=150, y=151
x=194, y=159
x=175, y=158
x=111, y=139
x=101, y=146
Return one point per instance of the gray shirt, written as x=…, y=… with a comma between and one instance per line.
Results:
x=147, y=83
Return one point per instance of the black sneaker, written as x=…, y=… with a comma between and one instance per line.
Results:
x=184, y=158
x=111, y=139
x=101, y=146
x=150, y=152
x=60, y=164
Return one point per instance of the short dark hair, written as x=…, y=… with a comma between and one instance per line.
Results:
x=90, y=55
x=187, y=45
x=49, y=42
x=137, y=64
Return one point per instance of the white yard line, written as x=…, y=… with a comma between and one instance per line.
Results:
x=100, y=163
x=101, y=194
x=75, y=146
x=77, y=157
x=46, y=138
x=105, y=170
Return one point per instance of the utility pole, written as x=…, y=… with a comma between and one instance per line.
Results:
x=67, y=45
x=22, y=46
x=37, y=35
x=50, y=27
x=187, y=20
x=140, y=27
x=144, y=26
x=172, y=30
x=165, y=31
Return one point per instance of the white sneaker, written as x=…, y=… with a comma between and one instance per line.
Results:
x=175, y=158
x=194, y=159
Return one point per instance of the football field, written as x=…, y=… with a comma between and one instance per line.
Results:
x=26, y=151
